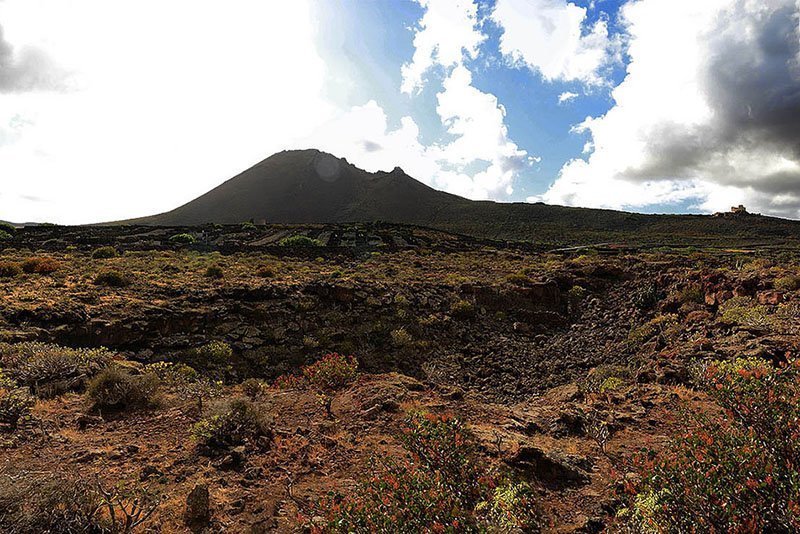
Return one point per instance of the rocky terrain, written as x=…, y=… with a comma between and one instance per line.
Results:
x=562, y=364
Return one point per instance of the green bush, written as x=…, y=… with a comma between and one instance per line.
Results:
x=787, y=283
x=215, y=272
x=734, y=472
x=238, y=422
x=112, y=278
x=49, y=370
x=7, y=228
x=463, y=309
x=185, y=239
x=299, y=241
x=15, y=404
x=211, y=360
x=744, y=311
x=265, y=271
x=5, y=236
x=114, y=389
x=9, y=269
x=104, y=253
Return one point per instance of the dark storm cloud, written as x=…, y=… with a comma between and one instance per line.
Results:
x=750, y=76
x=27, y=69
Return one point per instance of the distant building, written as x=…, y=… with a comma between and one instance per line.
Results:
x=736, y=211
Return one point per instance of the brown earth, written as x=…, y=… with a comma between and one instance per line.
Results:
x=519, y=343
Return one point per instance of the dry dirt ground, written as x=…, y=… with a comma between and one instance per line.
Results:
x=537, y=352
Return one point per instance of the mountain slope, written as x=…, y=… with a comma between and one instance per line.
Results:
x=309, y=186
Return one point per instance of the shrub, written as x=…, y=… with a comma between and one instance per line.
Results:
x=9, y=269
x=743, y=311
x=606, y=378
x=212, y=359
x=265, y=271
x=253, y=388
x=186, y=382
x=239, y=422
x=299, y=241
x=518, y=279
x=5, y=236
x=401, y=337
x=48, y=370
x=112, y=279
x=15, y=404
x=248, y=226
x=170, y=373
x=463, y=309
x=8, y=228
x=662, y=325
x=59, y=504
x=40, y=265
x=215, y=272
x=442, y=488
x=787, y=283
x=691, y=294
x=333, y=371
x=104, y=253
x=185, y=239
x=115, y=388
x=732, y=473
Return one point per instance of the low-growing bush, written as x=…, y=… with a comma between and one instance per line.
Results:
x=442, y=487
x=252, y=388
x=299, y=241
x=116, y=389
x=184, y=239
x=265, y=271
x=787, y=283
x=215, y=272
x=15, y=404
x=5, y=236
x=104, y=253
x=744, y=311
x=49, y=370
x=735, y=472
x=112, y=279
x=238, y=422
x=60, y=504
x=8, y=228
x=9, y=269
x=518, y=279
x=463, y=309
x=662, y=325
x=40, y=265
x=212, y=360
x=333, y=371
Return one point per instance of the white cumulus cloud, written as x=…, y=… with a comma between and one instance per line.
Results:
x=554, y=38
x=707, y=113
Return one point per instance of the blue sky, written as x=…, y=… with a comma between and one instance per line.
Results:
x=642, y=105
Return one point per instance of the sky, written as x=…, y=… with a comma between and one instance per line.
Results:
x=111, y=109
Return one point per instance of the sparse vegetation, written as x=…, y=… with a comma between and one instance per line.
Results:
x=333, y=371
x=183, y=239
x=734, y=474
x=116, y=389
x=443, y=487
x=9, y=269
x=49, y=370
x=787, y=283
x=211, y=360
x=104, y=253
x=112, y=278
x=299, y=241
x=237, y=422
x=214, y=272
x=40, y=265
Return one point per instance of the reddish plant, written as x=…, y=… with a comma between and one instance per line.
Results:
x=334, y=371
x=40, y=265
x=737, y=473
